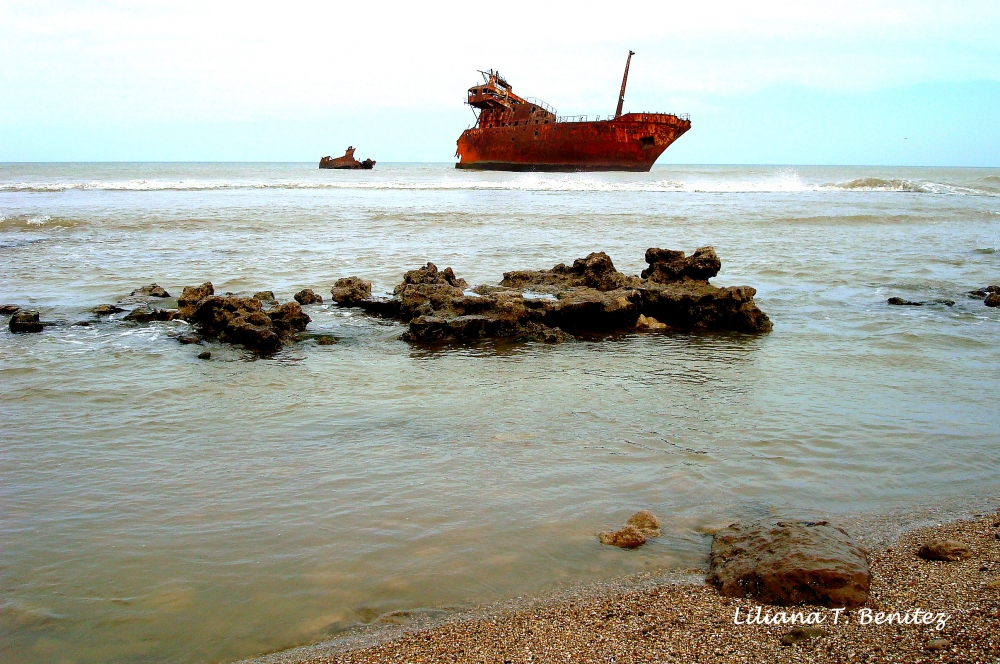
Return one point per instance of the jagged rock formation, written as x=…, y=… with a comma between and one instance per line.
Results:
x=544, y=305
x=241, y=320
x=790, y=563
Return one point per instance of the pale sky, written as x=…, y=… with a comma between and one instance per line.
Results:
x=915, y=82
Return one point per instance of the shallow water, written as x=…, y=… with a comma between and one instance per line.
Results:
x=158, y=508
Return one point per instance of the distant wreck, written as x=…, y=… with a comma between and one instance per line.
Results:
x=590, y=296
x=347, y=162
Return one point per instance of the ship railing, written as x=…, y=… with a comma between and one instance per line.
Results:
x=540, y=104
x=571, y=118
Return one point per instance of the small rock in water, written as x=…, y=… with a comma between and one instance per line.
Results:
x=936, y=645
x=628, y=537
x=946, y=550
x=25, y=321
x=307, y=296
x=107, y=309
x=992, y=300
x=799, y=634
x=264, y=296
x=82, y=323
x=901, y=302
x=325, y=340
x=980, y=293
x=646, y=522
x=947, y=303
x=205, y=355
x=151, y=290
x=189, y=338
x=9, y=309
x=649, y=323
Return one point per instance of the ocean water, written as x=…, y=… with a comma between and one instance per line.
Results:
x=159, y=508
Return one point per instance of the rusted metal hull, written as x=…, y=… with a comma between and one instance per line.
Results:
x=632, y=142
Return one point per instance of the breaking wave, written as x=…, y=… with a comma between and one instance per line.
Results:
x=774, y=183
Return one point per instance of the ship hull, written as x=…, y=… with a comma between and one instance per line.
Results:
x=632, y=142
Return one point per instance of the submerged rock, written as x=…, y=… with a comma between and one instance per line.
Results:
x=898, y=301
x=151, y=290
x=547, y=305
x=800, y=634
x=946, y=550
x=790, y=563
x=307, y=296
x=144, y=314
x=986, y=291
x=205, y=355
x=25, y=321
x=992, y=300
x=9, y=309
x=107, y=309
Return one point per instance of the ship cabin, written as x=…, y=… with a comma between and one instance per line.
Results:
x=498, y=106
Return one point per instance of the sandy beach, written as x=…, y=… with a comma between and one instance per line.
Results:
x=677, y=620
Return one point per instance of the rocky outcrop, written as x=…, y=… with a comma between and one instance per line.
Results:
x=984, y=292
x=191, y=296
x=351, y=291
x=152, y=290
x=945, y=550
x=790, y=563
x=25, y=321
x=547, y=305
x=307, y=296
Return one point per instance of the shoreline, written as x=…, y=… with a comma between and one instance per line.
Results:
x=672, y=615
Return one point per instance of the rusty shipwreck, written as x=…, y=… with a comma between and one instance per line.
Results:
x=512, y=133
x=346, y=162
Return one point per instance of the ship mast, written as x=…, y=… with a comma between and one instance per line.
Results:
x=621, y=97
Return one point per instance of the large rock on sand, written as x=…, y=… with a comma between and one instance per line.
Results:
x=790, y=563
x=944, y=549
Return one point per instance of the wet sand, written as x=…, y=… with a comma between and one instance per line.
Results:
x=676, y=618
